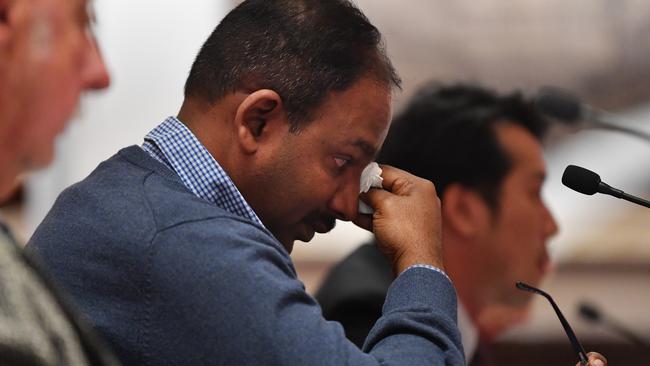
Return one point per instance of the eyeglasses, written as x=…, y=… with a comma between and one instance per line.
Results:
x=577, y=347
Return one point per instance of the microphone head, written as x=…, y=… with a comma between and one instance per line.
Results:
x=581, y=180
x=589, y=313
x=559, y=104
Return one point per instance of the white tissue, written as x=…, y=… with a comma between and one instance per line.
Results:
x=370, y=178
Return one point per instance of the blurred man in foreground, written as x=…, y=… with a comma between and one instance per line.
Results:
x=483, y=152
x=47, y=58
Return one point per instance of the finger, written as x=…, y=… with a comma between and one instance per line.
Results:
x=596, y=359
x=374, y=197
x=398, y=181
x=391, y=176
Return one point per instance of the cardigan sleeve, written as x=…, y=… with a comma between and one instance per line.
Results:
x=224, y=291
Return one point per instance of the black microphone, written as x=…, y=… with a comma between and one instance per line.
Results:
x=567, y=108
x=593, y=315
x=587, y=182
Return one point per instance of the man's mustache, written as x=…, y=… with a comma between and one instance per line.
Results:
x=324, y=222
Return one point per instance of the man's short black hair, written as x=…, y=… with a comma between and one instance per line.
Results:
x=447, y=134
x=302, y=49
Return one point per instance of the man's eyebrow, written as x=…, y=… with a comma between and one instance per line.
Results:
x=87, y=10
x=367, y=148
x=540, y=175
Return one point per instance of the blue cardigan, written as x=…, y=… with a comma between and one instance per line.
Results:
x=170, y=279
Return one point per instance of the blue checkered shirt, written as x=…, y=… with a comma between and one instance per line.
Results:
x=174, y=145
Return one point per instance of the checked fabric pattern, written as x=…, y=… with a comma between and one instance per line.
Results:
x=174, y=145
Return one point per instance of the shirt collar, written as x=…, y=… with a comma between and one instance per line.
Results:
x=174, y=145
x=468, y=332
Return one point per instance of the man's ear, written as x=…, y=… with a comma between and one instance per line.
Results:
x=464, y=210
x=258, y=117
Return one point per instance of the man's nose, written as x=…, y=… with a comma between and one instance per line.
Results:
x=94, y=73
x=550, y=225
x=345, y=202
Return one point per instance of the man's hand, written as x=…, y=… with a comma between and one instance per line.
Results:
x=595, y=359
x=406, y=221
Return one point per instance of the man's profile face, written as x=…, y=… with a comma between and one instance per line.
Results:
x=51, y=58
x=514, y=242
x=314, y=176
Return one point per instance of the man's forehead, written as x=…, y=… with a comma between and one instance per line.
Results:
x=524, y=150
x=359, y=117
